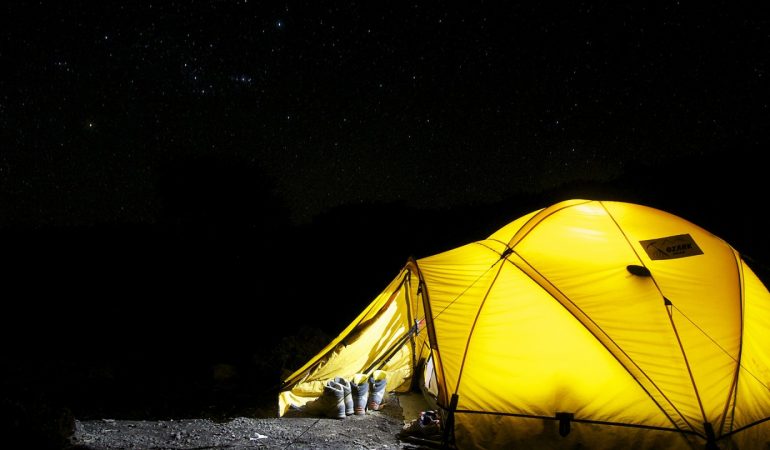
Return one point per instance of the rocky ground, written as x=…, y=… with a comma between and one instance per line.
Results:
x=375, y=430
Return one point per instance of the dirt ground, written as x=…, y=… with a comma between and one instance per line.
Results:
x=375, y=430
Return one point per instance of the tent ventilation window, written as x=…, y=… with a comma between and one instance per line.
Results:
x=639, y=271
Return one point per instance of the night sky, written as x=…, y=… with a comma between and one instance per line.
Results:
x=172, y=171
x=351, y=102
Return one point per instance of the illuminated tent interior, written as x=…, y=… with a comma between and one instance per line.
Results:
x=586, y=324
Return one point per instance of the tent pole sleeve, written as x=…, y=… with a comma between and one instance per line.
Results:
x=669, y=309
x=409, y=318
x=438, y=365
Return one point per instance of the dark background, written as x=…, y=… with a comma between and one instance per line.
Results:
x=196, y=197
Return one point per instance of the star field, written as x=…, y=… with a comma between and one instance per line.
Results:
x=355, y=103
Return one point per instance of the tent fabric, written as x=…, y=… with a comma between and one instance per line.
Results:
x=374, y=340
x=587, y=323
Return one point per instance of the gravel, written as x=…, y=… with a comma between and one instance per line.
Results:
x=375, y=430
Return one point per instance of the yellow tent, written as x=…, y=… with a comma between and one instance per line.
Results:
x=586, y=324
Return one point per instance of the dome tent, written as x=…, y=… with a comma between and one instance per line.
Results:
x=586, y=324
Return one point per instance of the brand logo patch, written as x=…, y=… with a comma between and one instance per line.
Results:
x=671, y=247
